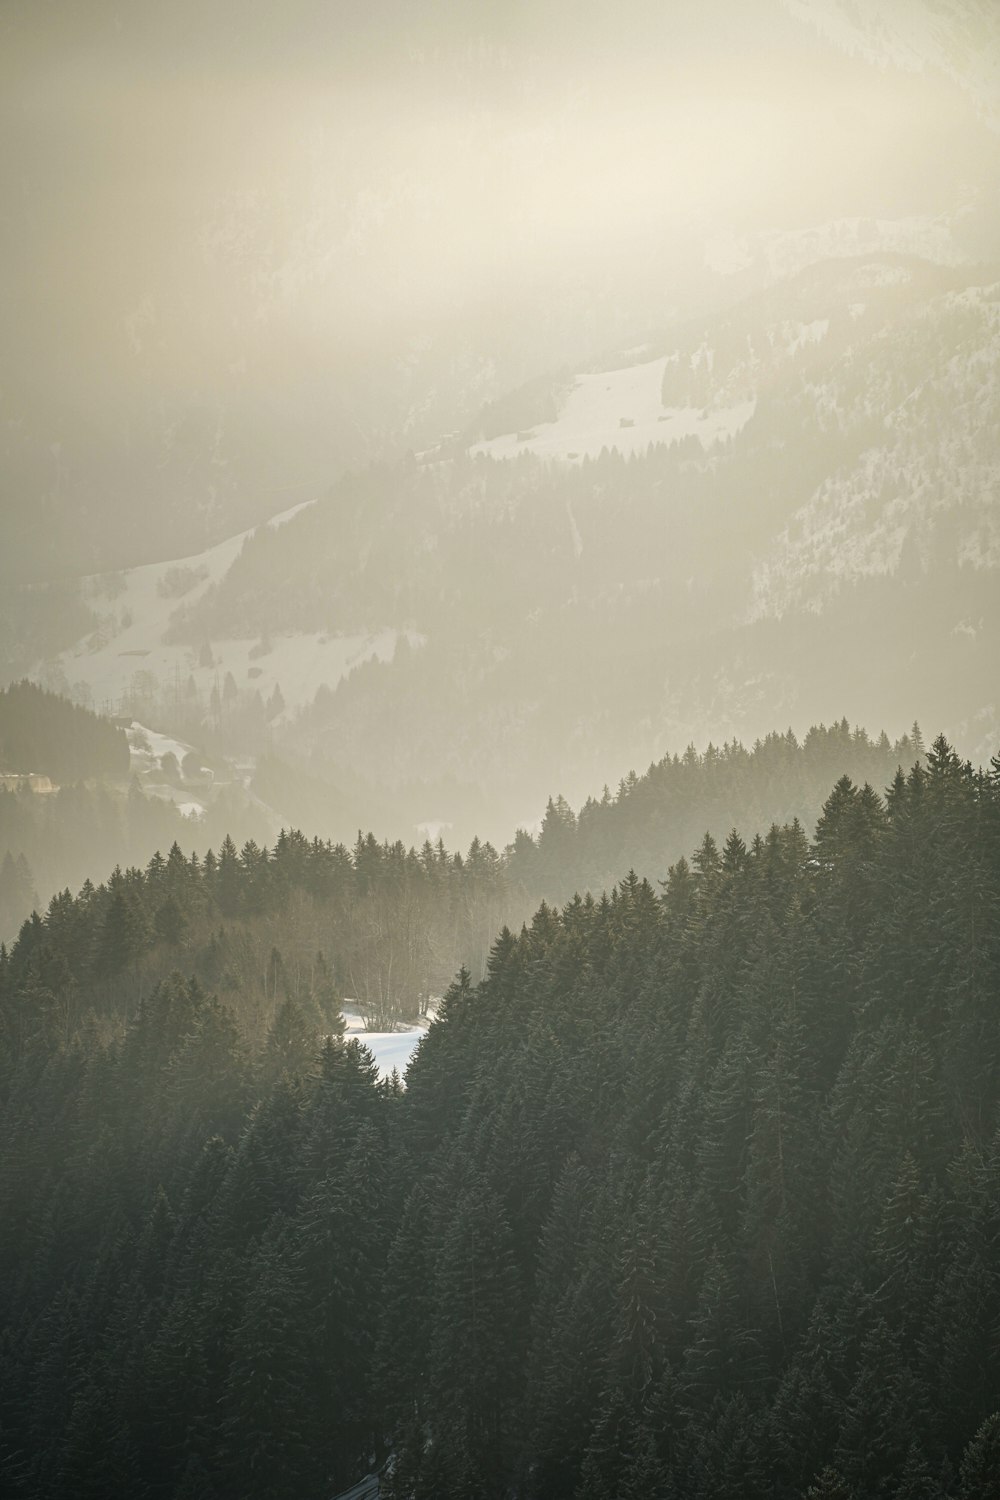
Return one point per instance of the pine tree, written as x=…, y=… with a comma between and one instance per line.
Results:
x=981, y=1462
x=831, y=1486
x=475, y=1353
x=268, y=1407
x=228, y=881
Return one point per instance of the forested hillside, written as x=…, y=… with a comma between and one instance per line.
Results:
x=842, y=534
x=651, y=820
x=694, y=1195
x=71, y=835
x=394, y=924
x=424, y=412
x=713, y=1211
x=43, y=732
x=751, y=513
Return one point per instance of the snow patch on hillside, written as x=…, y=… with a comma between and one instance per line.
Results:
x=390, y=1049
x=920, y=485
x=147, y=748
x=808, y=333
x=620, y=409
x=127, y=659
x=135, y=665
x=147, y=751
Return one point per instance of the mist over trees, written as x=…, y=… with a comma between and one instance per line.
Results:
x=695, y=1193
x=455, y=458
x=71, y=835
x=652, y=819
x=394, y=922
x=807, y=519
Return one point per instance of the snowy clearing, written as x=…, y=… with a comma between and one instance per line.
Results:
x=390, y=1049
x=127, y=657
x=620, y=409
x=147, y=747
x=138, y=664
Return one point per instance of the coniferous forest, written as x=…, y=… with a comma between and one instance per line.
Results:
x=42, y=732
x=389, y=925
x=472, y=1025
x=695, y=1193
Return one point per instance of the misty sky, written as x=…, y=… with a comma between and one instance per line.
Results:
x=221, y=222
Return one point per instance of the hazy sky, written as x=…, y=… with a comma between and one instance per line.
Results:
x=214, y=213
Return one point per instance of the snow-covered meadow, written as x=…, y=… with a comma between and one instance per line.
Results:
x=128, y=655
x=390, y=1049
x=620, y=409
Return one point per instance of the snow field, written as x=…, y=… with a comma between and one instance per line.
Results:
x=390, y=1049
x=620, y=409
x=130, y=655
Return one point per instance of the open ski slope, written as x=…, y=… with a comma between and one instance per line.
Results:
x=128, y=659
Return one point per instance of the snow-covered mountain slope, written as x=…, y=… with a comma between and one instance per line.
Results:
x=150, y=754
x=297, y=306
x=835, y=551
x=131, y=656
x=638, y=403
x=620, y=409
x=927, y=476
x=825, y=293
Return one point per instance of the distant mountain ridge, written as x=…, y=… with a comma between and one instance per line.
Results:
x=487, y=604
x=296, y=312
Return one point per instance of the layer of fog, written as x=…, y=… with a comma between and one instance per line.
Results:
x=250, y=247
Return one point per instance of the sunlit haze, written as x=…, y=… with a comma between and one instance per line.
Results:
x=499, y=749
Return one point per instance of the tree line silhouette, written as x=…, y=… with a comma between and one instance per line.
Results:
x=693, y=1193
